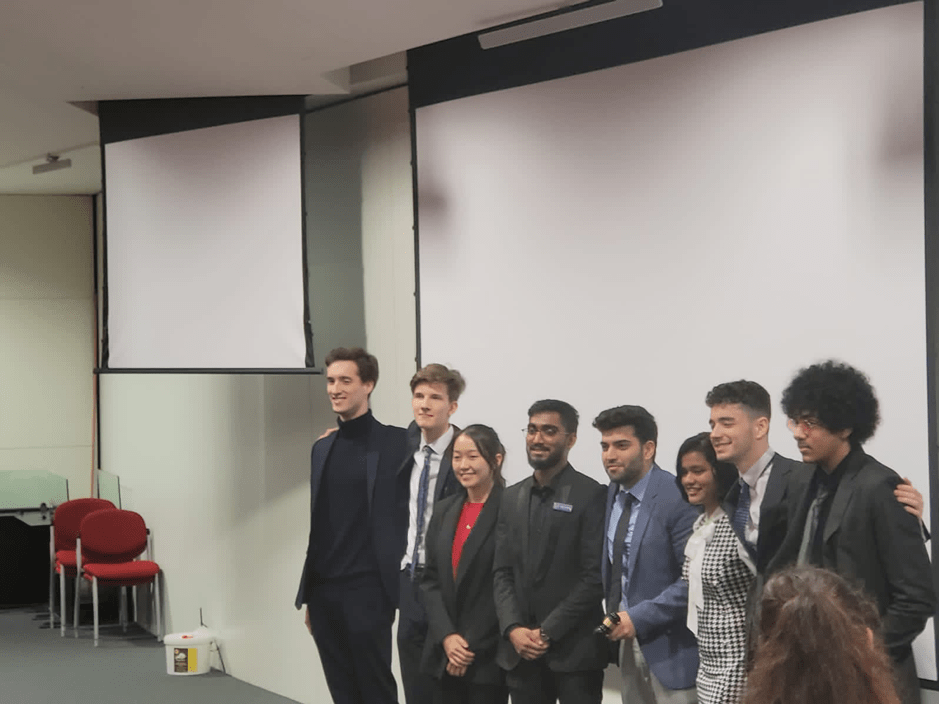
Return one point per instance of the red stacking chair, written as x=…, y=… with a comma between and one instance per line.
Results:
x=63, y=531
x=108, y=543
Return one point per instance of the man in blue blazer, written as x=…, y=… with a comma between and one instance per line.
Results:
x=646, y=527
x=350, y=577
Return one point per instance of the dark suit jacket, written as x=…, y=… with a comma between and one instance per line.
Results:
x=463, y=605
x=386, y=448
x=774, y=520
x=656, y=593
x=558, y=590
x=870, y=539
x=773, y=510
x=445, y=486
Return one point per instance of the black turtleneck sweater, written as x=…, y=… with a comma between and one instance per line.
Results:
x=342, y=536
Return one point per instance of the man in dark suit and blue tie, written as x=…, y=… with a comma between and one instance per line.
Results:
x=758, y=505
x=647, y=526
x=424, y=478
x=350, y=577
x=740, y=415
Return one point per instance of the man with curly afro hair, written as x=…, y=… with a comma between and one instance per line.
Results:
x=843, y=515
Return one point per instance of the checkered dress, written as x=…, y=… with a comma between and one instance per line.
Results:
x=722, y=624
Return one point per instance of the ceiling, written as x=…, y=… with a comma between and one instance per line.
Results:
x=55, y=53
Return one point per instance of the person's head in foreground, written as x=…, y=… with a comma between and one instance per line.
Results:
x=818, y=642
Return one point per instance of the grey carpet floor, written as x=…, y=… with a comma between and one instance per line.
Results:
x=37, y=666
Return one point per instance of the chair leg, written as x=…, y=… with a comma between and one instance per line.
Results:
x=124, y=608
x=94, y=597
x=156, y=604
x=62, y=600
x=75, y=610
x=51, y=597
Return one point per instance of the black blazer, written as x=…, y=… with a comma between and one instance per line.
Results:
x=463, y=605
x=558, y=590
x=446, y=484
x=772, y=531
x=387, y=445
x=773, y=510
x=871, y=539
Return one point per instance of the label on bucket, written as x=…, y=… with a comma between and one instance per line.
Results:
x=185, y=659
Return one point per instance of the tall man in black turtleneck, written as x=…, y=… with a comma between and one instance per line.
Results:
x=350, y=577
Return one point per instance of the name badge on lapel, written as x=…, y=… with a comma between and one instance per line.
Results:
x=567, y=508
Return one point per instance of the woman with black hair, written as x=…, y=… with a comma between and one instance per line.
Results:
x=719, y=572
x=463, y=629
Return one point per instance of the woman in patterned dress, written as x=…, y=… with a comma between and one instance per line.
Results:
x=719, y=573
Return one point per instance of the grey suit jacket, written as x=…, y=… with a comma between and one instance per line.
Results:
x=557, y=589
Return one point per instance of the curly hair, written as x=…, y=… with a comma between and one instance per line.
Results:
x=747, y=393
x=818, y=642
x=839, y=396
x=725, y=474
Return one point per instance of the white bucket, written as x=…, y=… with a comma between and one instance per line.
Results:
x=188, y=653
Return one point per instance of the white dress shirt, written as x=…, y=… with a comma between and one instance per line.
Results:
x=439, y=446
x=757, y=478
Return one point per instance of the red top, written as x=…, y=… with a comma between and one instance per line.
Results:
x=468, y=517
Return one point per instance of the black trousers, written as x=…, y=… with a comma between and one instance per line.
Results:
x=533, y=682
x=351, y=624
x=455, y=690
x=412, y=633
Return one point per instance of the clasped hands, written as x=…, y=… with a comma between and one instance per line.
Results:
x=459, y=656
x=528, y=642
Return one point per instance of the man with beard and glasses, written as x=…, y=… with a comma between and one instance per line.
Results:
x=547, y=570
x=647, y=526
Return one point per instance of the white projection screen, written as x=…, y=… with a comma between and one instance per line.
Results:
x=642, y=233
x=204, y=248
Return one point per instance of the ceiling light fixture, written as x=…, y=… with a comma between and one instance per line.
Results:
x=53, y=163
x=563, y=20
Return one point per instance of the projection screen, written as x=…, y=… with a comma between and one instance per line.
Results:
x=642, y=233
x=204, y=248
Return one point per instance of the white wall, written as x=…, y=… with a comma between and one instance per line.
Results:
x=642, y=233
x=46, y=336
x=219, y=465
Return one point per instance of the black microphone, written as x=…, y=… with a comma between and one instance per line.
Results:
x=610, y=621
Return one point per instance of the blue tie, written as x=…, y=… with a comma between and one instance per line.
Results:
x=618, y=572
x=742, y=514
x=422, y=488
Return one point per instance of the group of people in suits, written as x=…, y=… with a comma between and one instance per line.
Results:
x=501, y=591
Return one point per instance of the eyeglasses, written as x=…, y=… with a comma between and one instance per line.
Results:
x=806, y=425
x=547, y=431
